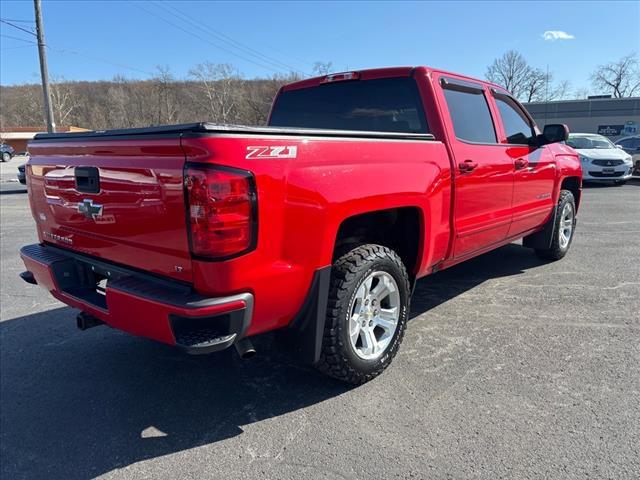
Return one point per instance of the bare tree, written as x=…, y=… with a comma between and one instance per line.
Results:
x=31, y=110
x=219, y=82
x=561, y=91
x=63, y=101
x=322, y=68
x=535, y=86
x=621, y=78
x=119, y=114
x=166, y=105
x=512, y=72
x=580, y=94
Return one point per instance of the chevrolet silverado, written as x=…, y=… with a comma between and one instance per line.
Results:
x=318, y=225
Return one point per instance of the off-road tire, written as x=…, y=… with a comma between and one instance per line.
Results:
x=556, y=251
x=337, y=357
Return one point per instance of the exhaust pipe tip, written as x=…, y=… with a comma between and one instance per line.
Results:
x=28, y=277
x=245, y=349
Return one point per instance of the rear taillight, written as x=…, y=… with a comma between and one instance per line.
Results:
x=222, y=211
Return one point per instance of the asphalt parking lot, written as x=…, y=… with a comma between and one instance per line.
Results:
x=511, y=368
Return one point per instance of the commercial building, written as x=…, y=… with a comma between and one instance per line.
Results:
x=18, y=137
x=612, y=117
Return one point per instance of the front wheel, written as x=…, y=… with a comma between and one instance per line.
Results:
x=564, y=228
x=366, y=314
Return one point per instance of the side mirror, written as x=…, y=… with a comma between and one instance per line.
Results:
x=553, y=133
x=620, y=147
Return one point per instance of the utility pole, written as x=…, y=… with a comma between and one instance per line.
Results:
x=43, y=67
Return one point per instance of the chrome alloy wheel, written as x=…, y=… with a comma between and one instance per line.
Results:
x=566, y=225
x=375, y=311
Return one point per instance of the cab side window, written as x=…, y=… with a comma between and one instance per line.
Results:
x=517, y=126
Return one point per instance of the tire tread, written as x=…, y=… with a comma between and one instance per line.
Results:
x=345, y=271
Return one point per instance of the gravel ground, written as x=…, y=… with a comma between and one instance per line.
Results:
x=511, y=368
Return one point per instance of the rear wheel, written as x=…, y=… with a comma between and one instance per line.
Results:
x=564, y=228
x=366, y=314
x=6, y=156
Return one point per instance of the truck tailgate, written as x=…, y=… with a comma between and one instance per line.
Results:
x=120, y=199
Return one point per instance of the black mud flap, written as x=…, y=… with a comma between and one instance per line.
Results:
x=304, y=334
x=542, y=239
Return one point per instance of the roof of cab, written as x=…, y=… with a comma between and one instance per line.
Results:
x=374, y=73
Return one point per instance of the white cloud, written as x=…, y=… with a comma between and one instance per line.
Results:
x=553, y=35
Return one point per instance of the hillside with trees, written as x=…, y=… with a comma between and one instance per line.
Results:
x=213, y=92
x=219, y=93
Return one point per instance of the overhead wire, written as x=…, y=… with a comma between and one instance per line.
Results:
x=18, y=27
x=226, y=38
x=18, y=38
x=19, y=21
x=206, y=40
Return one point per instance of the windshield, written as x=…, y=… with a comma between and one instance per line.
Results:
x=585, y=142
x=383, y=105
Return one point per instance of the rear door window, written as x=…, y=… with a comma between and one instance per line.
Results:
x=381, y=105
x=470, y=115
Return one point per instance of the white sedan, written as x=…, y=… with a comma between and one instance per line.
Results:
x=601, y=160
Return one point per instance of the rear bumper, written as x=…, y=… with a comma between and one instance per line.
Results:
x=139, y=303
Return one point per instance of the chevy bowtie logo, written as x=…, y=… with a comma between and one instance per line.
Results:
x=89, y=209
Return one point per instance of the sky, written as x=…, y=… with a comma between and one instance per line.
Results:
x=97, y=40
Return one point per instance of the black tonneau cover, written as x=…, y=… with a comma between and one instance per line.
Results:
x=205, y=128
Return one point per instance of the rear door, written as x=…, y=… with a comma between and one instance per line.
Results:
x=483, y=174
x=534, y=167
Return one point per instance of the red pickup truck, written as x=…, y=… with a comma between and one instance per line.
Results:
x=203, y=236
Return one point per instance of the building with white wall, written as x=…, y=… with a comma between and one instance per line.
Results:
x=612, y=117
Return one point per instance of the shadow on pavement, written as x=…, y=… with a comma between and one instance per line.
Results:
x=80, y=404
x=436, y=289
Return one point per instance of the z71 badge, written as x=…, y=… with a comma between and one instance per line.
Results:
x=272, y=152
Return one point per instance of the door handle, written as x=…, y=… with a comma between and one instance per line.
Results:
x=467, y=166
x=521, y=163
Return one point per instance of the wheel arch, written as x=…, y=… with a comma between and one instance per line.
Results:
x=399, y=228
x=574, y=185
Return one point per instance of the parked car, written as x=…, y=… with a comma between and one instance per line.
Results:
x=6, y=152
x=631, y=145
x=601, y=159
x=203, y=236
x=22, y=177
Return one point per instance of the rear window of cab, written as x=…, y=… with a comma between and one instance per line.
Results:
x=380, y=105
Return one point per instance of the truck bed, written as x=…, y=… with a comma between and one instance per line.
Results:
x=212, y=128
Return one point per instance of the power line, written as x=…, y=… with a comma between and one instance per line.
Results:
x=261, y=65
x=18, y=38
x=16, y=26
x=227, y=39
x=97, y=59
x=64, y=50
x=18, y=21
x=18, y=46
